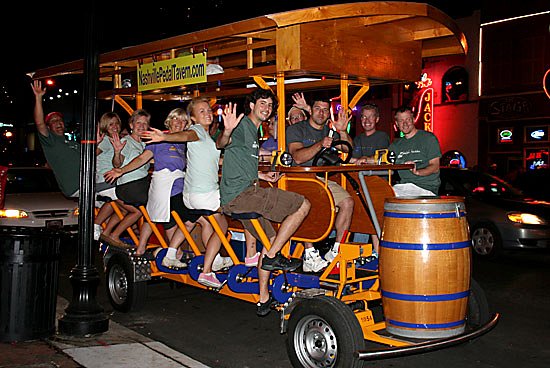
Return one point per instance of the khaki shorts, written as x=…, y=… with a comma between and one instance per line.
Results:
x=272, y=204
x=338, y=193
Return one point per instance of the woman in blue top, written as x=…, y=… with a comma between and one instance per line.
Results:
x=167, y=182
x=201, y=189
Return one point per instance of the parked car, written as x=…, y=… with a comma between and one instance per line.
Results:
x=534, y=183
x=500, y=216
x=33, y=199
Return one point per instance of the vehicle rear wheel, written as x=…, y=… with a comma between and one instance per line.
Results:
x=324, y=332
x=486, y=240
x=124, y=294
x=478, y=307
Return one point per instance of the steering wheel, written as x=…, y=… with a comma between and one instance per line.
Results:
x=331, y=156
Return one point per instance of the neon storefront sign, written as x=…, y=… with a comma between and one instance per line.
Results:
x=425, y=109
x=505, y=136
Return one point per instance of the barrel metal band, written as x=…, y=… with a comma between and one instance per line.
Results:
x=424, y=215
x=426, y=298
x=426, y=325
x=434, y=246
x=425, y=207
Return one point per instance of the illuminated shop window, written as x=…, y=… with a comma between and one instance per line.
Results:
x=455, y=85
x=536, y=158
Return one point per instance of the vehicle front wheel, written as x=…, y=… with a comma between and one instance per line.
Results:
x=486, y=240
x=124, y=293
x=324, y=332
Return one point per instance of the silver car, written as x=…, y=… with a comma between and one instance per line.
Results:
x=33, y=199
x=499, y=215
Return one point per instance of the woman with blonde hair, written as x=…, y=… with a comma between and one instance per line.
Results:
x=201, y=189
x=109, y=126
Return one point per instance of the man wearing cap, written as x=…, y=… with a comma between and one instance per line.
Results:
x=63, y=156
x=297, y=112
x=295, y=115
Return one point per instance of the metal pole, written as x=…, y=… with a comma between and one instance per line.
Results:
x=84, y=316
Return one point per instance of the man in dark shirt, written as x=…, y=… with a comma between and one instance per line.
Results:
x=304, y=140
x=370, y=140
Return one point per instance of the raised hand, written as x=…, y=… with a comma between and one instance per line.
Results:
x=300, y=102
x=341, y=123
x=153, y=135
x=99, y=136
x=230, y=118
x=118, y=145
x=37, y=88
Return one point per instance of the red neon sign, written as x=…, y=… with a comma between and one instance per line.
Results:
x=425, y=109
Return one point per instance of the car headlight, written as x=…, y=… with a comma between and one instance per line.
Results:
x=526, y=218
x=13, y=214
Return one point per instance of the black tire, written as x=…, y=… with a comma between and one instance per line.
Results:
x=323, y=332
x=124, y=294
x=486, y=240
x=478, y=307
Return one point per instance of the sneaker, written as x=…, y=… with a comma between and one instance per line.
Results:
x=263, y=309
x=209, y=279
x=221, y=262
x=279, y=262
x=252, y=261
x=173, y=263
x=313, y=262
x=97, y=231
x=330, y=255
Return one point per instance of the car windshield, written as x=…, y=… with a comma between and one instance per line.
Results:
x=32, y=180
x=485, y=184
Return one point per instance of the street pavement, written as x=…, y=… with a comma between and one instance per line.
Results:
x=182, y=326
x=119, y=347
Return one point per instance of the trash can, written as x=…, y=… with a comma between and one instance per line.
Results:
x=29, y=271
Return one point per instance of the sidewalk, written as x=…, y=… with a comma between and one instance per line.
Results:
x=118, y=347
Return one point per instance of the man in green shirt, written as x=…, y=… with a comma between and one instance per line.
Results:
x=63, y=156
x=241, y=193
x=420, y=148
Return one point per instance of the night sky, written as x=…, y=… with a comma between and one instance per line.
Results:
x=49, y=33
x=54, y=32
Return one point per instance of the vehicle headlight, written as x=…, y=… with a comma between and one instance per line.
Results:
x=526, y=218
x=13, y=214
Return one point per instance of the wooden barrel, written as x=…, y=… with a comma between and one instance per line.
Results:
x=424, y=264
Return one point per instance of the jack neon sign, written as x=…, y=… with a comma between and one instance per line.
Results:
x=425, y=109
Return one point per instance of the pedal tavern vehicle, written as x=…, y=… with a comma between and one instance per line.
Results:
x=419, y=296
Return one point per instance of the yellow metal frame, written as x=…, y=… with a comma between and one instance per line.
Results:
x=277, y=46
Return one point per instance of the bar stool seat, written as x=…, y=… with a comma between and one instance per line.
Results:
x=202, y=212
x=245, y=215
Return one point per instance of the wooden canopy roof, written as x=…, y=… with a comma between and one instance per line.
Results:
x=365, y=42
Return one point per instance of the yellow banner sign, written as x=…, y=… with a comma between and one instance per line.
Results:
x=174, y=72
